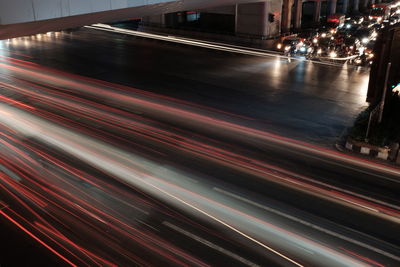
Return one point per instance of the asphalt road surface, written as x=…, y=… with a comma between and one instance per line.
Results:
x=295, y=98
x=197, y=166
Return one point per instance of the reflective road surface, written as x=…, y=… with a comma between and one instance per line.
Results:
x=99, y=172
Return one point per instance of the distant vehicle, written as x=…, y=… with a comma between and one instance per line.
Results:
x=335, y=20
x=325, y=42
x=325, y=33
x=352, y=42
x=394, y=19
x=324, y=46
x=358, y=19
x=289, y=44
x=364, y=35
x=365, y=24
x=369, y=48
x=364, y=60
x=349, y=23
x=305, y=48
x=377, y=26
x=307, y=35
x=349, y=31
x=380, y=12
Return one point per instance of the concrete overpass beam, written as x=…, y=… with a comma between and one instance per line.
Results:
x=356, y=5
x=287, y=15
x=345, y=6
x=26, y=17
x=255, y=18
x=332, y=6
x=298, y=12
x=364, y=4
x=274, y=8
x=317, y=10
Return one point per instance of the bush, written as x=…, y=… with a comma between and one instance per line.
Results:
x=381, y=134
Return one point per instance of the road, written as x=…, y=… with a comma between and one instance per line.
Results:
x=311, y=102
x=104, y=173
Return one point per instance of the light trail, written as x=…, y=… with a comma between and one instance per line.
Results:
x=210, y=244
x=36, y=238
x=171, y=186
x=183, y=115
x=127, y=168
x=198, y=121
x=314, y=226
x=203, y=150
x=207, y=44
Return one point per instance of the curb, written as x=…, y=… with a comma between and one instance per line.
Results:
x=367, y=149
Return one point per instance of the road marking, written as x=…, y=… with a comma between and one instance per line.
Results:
x=314, y=226
x=357, y=204
x=192, y=180
x=132, y=206
x=148, y=225
x=129, y=204
x=90, y=214
x=301, y=177
x=210, y=244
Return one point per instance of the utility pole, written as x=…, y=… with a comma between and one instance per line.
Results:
x=382, y=103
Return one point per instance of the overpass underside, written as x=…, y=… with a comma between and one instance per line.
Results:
x=27, y=17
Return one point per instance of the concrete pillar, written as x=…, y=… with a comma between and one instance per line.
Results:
x=345, y=6
x=317, y=10
x=287, y=15
x=298, y=12
x=356, y=5
x=253, y=18
x=274, y=8
x=236, y=17
x=364, y=5
x=332, y=6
